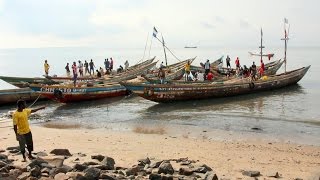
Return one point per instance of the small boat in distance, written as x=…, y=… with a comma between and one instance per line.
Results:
x=190, y=47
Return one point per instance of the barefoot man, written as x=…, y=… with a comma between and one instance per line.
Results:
x=22, y=129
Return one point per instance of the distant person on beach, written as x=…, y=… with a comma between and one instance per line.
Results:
x=98, y=74
x=92, y=66
x=237, y=62
x=261, y=69
x=86, y=67
x=80, y=68
x=111, y=64
x=67, y=70
x=161, y=75
x=106, y=64
x=46, y=68
x=228, y=61
x=22, y=129
x=75, y=73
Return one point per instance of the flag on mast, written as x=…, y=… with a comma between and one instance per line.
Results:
x=285, y=20
x=155, y=32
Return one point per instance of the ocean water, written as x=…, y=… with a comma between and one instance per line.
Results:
x=288, y=114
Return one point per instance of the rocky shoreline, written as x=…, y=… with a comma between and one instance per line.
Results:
x=103, y=167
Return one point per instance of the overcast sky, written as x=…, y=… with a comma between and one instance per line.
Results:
x=126, y=23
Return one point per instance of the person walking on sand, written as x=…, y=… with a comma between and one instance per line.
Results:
x=46, y=67
x=22, y=129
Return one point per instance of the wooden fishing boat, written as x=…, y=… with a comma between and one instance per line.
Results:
x=180, y=92
x=11, y=96
x=269, y=55
x=201, y=67
x=173, y=72
x=130, y=71
x=69, y=93
x=25, y=81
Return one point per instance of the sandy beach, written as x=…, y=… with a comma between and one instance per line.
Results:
x=227, y=158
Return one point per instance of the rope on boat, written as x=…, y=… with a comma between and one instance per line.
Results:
x=35, y=101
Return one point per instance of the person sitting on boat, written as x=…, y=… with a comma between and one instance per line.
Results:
x=86, y=67
x=75, y=73
x=80, y=66
x=228, y=61
x=22, y=129
x=199, y=76
x=120, y=69
x=126, y=65
x=46, y=68
x=101, y=71
x=161, y=75
x=210, y=76
x=246, y=72
x=237, y=62
x=206, y=67
x=67, y=70
x=98, y=74
x=253, y=71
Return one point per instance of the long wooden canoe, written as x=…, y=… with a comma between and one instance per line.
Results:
x=180, y=92
x=11, y=96
x=25, y=81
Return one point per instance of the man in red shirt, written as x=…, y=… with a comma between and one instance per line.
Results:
x=237, y=62
x=262, y=68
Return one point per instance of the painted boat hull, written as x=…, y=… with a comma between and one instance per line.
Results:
x=25, y=81
x=179, y=92
x=67, y=94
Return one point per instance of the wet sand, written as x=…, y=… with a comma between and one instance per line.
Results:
x=227, y=157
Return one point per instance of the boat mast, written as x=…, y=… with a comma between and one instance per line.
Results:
x=286, y=38
x=261, y=47
x=164, y=49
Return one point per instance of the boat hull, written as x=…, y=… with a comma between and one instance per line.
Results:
x=76, y=94
x=11, y=96
x=180, y=92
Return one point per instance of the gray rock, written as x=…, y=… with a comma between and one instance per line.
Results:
x=131, y=177
x=2, y=164
x=36, y=171
x=63, y=169
x=155, y=176
x=273, y=174
x=3, y=157
x=98, y=157
x=144, y=161
x=14, y=151
x=155, y=164
x=45, y=170
x=185, y=171
x=92, y=173
x=90, y=163
x=15, y=173
x=167, y=177
x=132, y=171
x=61, y=152
x=36, y=162
x=101, y=167
x=80, y=167
x=61, y=176
x=1, y=150
x=210, y=176
x=4, y=169
x=23, y=176
x=166, y=168
x=107, y=176
x=109, y=162
x=56, y=162
x=251, y=173
x=202, y=168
